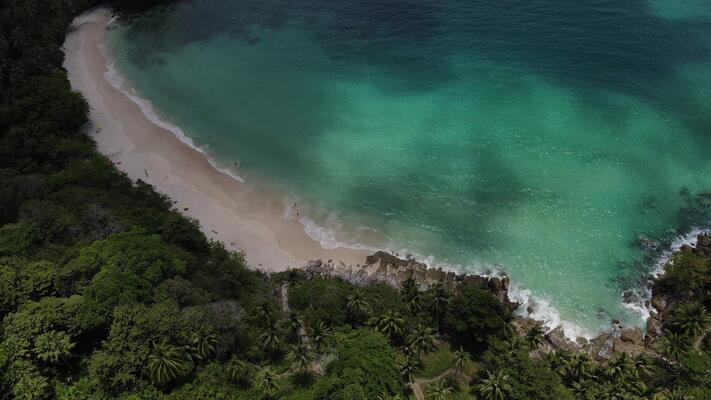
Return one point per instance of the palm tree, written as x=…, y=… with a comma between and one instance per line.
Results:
x=460, y=358
x=422, y=339
x=514, y=345
x=166, y=363
x=203, y=346
x=319, y=335
x=673, y=345
x=265, y=313
x=294, y=325
x=439, y=300
x=357, y=304
x=691, y=319
x=494, y=387
x=237, y=370
x=53, y=346
x=534, y=337
x=438, y=391
x=411, y=295
x=578, y=368
x=299, y=358
x=267, y=383
x=643, y=365
x=409, y=368
x=390, y=324
x=620, y=368
x=271, y=339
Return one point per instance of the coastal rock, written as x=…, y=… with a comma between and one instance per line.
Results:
x=632, y=335
x=557, y=339
x=382, y=266
x=654, y=326
x=659, y=303
x=703, y=246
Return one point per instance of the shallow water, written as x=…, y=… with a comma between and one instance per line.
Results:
x=538, y=137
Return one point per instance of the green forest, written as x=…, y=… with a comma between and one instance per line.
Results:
x=107, y=293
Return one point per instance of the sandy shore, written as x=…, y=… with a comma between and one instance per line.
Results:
x=246, y=216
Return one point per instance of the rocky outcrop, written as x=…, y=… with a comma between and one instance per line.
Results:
x=385, y=267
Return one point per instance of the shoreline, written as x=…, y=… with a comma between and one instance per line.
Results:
x=245, y=216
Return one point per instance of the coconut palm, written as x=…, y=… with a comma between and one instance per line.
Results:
x=411, y=295
x=673, y=345
x=390, y=324
x=167, y=363
x=579, y=368
x=53, y=346
x=514, y=345
x=267, y=383
x=300, y=357
x=534, y=337
x=357, y=304
x=460, y=358
x=494, y=387
x=691, y=319
x=294, y=325
x=271, y=338
x=620, y=368
x=319, y=335
x=438, y=391
x=643, y=365
x=422, y=339
x=265, y=313
x=203, y=345
x=438, y=300
x=237, y=370
x=409, y=368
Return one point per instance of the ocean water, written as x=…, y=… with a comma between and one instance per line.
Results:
x=537, y=137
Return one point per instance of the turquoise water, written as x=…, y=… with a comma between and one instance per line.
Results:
x=535, y=136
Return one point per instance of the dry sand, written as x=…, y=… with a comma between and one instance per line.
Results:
x=246, y=216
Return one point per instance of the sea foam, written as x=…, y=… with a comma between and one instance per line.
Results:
x=114, y=77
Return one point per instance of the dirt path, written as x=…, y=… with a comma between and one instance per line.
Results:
x=418, y=384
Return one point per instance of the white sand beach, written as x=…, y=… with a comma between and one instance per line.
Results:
x=246, y=216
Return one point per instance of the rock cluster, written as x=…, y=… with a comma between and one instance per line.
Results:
x=385, y=267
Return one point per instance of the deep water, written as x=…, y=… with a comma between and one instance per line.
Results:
x=539, y=137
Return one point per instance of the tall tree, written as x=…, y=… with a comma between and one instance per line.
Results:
x=438, y=391
x=494, y=387
x=299, y=358
x=357, y=305
x=53, y=346
x=203, y=345
x=460, y=358
x=690, y=319
x=237, y=370
x=167, y=363
x=267, y=383
x=422, y=339
x=534, y=337
x=319, y=335
x=438, y=301
x=674, y=345
x=390, y=324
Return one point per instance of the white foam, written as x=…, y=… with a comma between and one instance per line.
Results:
x=117, y=81
x=545, y=313
x=644, y=293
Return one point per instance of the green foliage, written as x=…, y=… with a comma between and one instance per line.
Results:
x=474, y=317
x=365, y=361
